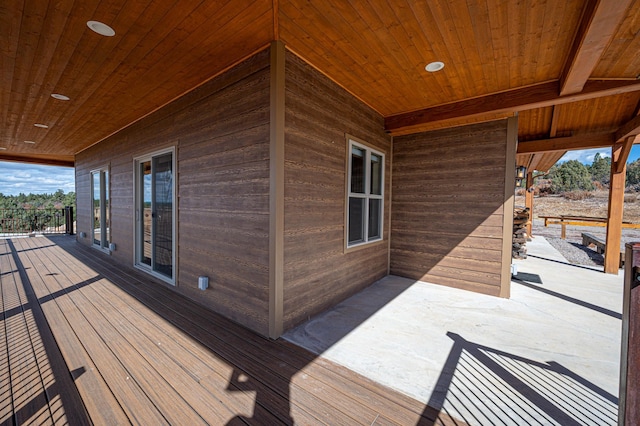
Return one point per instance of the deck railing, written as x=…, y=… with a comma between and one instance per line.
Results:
x=14, y=222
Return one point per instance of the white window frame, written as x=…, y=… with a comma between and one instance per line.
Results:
x=137, y=217
x=353, y=142
x=105, y=210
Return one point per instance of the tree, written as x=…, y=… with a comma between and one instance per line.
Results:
x=600, y=169
x=570, y=176
x=633, y=173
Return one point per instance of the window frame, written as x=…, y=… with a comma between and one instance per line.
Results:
x=367, y=195
x=138, y=220
x=104, y=176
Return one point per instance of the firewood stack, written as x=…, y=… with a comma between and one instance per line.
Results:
x=520, y=219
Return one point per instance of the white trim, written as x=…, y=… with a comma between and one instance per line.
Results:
x=137, y=243
x=366, y=196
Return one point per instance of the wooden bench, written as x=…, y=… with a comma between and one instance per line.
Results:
x=600, y=245
x=590, y=239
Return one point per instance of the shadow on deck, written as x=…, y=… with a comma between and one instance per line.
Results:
x=85, y=340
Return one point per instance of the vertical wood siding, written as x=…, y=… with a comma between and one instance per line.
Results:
x=317, y=272
x=447, y=215
x=221, y=134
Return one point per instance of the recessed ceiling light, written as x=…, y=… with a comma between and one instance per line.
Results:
x=59, y=97
x=100, y=28
x=42, y=126
x=434, y=66
x=30, y=142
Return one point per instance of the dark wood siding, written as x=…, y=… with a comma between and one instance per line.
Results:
x=447, y=215
x=221, y=135
x=317, y=271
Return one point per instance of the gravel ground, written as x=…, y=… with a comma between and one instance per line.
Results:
x=572, y=248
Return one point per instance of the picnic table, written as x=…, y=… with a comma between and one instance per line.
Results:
x=565, y=220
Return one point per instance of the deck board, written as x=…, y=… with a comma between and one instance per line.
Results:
x=140, y=353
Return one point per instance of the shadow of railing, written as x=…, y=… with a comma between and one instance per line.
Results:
x=49, y=393
x=605, y=311
x=484, y=385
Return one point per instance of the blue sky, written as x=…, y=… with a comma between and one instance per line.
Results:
x=586, y=156
x=35, y=179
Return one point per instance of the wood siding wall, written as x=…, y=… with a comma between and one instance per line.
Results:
x=447, y=216
x=317, y=272
x=221, y=134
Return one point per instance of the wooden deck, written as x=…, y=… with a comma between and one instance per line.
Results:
x=84, y=340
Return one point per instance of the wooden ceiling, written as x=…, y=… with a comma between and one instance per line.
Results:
x=568, y=68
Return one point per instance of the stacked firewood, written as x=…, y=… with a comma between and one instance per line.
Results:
x=520, y=219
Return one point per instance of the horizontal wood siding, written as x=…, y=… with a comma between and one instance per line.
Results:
x=221, y=135
x=447, y=216
x=317, y=272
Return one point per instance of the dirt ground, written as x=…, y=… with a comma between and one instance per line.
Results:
x=596, y=206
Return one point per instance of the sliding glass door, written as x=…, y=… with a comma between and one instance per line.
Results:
x=100, y=198
x=155, y=224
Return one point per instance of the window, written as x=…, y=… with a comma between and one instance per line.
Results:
x=100, y=198
x=365, y=199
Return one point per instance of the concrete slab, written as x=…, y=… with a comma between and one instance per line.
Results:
x=548, y=355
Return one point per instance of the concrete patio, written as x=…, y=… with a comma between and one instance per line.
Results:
x=548, y=355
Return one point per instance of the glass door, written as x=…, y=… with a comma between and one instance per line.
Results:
x=100, y=198
x=155, y=214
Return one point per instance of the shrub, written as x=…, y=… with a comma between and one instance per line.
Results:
x=571, y=175
x=577, y=195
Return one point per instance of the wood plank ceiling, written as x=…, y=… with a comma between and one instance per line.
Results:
x=569, y=69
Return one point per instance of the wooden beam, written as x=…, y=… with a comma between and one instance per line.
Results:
x=619, y=156
x=585, y=141
x=600, y=20
x=553, y=131
x=519, y=99
x=535, y=160
x=38, y=160
x=624, y=155
x=630, y=128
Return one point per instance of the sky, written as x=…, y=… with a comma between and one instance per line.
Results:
x=586, y=156
x=35, y=179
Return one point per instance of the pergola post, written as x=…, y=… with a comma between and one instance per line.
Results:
x=619, y=154
x=528, y=202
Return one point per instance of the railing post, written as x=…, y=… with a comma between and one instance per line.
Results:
x=629, y=402
x=68, y=220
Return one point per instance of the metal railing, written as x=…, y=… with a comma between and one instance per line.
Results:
x=15, y=222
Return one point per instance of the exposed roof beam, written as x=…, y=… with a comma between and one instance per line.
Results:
x=553, y=131
x=630, y=128
x=520, y=99
x=599, y=23
x=535, y=160
x=38, y=160
x=586, y=141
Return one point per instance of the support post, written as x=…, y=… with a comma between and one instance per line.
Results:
x=528, y=202
x=619, y=155
x=508, y=205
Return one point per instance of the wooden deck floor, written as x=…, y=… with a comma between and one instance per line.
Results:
x=84, y=340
